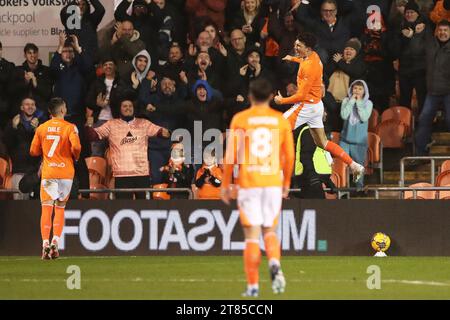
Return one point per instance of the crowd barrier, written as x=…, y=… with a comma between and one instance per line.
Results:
x=185, y=227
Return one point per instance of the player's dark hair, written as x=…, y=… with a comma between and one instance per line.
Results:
x=30, y=46
x=260, y=90
x=308, y=39
x=54, y=105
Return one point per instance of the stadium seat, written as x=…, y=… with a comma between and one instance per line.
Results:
x=373, y=120
x=443, y=178
x=97, y=169
x=340, y=169
x=375, y=152
x=423, y=195
x=335, y=137
x=98, y=196
x=444, y=194
x=160, y=195
x=400, y=113
x=392, y=133
x=445, y=166
x=4, y=171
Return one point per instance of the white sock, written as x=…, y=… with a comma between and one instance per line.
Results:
x=56, y=239
x=252, y=286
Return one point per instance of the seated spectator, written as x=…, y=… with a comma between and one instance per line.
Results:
x=209, y=179
x=126, y=44
x=378, y=58
x=332, y=30
x=31, y=79
x=166, y=108
x=6, y=69
x=18, y=136
x=177, y=174
x=410, y=48
x=69, y=65
x=345, y=68
x=128, y=141
x=153, y=22
x=441, y=11
x=438, y=85
x=86, y=32
x=250, y=19
x=355, y=111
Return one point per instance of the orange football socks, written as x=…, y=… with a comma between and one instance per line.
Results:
x=338, y=152
x=252, y=259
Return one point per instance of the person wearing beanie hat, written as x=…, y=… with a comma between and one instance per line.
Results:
x=344, y=68
x=409, y=46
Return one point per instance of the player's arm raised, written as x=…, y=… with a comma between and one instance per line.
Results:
x=75, y=145
x=36, y=146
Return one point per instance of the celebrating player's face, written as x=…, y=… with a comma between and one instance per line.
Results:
x=300, y=49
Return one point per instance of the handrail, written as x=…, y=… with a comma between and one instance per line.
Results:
x=432, y=169
x=124, y=190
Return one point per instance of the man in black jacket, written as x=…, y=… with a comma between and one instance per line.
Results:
x=438, y=85
x=6, y=69
x=18, y=136
x=31, y=79
x=87, y=31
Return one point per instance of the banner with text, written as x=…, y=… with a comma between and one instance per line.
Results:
x=184, y=227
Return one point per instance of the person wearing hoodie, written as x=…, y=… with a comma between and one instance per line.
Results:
x=31, y=79
x=206, y=108
x=166, y=108
x=141, y=63
x=90, y=20
x=410, y=47
x=345, y=68
x=18, y=136
x=356, y=109
x=126, y=44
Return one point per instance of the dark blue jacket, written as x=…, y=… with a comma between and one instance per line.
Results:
x=70, y=81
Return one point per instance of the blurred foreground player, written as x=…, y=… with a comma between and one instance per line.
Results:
x=58, y=142
x=261, y=144
x=308, y=106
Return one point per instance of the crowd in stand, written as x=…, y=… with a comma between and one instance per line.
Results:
x=177, y=62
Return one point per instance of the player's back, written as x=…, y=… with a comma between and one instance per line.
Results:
x=262, y=138
x=59, y=144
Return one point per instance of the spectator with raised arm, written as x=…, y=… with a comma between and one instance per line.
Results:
x=128, y=139
x=86, y=29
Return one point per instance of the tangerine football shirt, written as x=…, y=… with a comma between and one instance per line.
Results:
x=261, y=143
x=58, y=142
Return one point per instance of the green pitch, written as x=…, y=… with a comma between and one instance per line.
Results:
x=222, y=278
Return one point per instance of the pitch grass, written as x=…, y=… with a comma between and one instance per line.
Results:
x=222, y=278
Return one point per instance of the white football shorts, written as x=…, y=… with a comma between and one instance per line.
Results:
x=312, y=114
x=259, y=206
x=55, y=189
